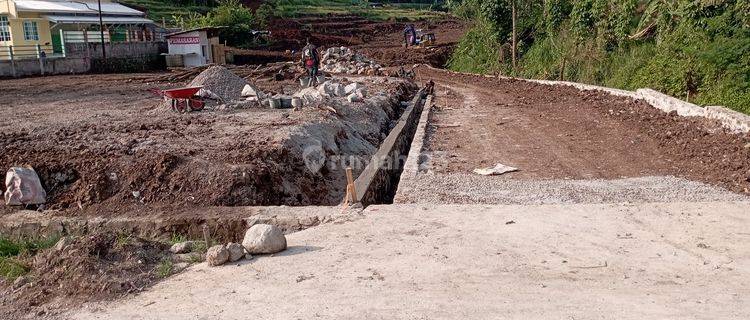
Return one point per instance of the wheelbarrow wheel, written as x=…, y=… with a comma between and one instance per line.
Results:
x=196, y=104
x=181, y=106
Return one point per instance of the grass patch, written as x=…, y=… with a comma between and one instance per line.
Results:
x=167, y=9
x=177, y=238
x=397, y=12
x=165, y=268
x=11, y=248
x=11, y=267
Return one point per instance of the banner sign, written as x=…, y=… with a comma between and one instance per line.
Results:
x=184, y=40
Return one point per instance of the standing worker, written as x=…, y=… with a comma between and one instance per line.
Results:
x=311, y=61
x=410, y=35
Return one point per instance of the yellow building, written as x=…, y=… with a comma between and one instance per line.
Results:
x=30, y=26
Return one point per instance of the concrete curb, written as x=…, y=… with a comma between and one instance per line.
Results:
x=414, y=159
x=730, y=119
x=380, y=178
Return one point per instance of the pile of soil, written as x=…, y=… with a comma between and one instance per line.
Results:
x=90, y=268
x=221, y=82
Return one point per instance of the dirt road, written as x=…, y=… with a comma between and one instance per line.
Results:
x=562, y=133
x=654, y=261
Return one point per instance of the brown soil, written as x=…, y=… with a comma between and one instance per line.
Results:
x=560, y=132
x=112, y=146
x=92, y=268
x=379, y=40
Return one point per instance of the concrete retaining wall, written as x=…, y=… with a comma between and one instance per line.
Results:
x=732, y=120
x=414, y=162
x=379, y=180
x=225, y=224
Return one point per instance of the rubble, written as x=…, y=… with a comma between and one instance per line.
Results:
x=346, y=60
x=183, y=247
x=264, y=238
x=217, y=255
x=236, y=251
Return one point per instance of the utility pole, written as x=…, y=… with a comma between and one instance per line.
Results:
x=101, y=31
x=513, y=50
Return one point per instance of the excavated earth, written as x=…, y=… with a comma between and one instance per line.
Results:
x=112, y=147
x=380, y=41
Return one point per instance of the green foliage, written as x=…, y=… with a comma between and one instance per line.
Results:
x=177, y=238
x=392, y=11
x=691, y=49
x=165, y=268
x=236, y=21
x=10, y=249
x=11, y=268
x=477, y=52
x=167, y=10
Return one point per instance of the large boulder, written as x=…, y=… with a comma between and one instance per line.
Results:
x=236, y=251
x=264, y=238
x=22, y=187
x=217, y=255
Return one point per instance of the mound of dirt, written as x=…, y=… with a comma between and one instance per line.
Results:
x=92, y=268
x=221, y=82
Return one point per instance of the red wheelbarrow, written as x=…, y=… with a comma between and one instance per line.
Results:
x=183, y=99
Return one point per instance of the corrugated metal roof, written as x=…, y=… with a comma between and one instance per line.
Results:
x=75, y=7
x=95, y=19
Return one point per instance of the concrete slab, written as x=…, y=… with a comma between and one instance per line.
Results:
x=645, y=261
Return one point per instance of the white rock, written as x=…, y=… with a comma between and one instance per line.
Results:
x=354, y=86
x=217, y=255
x=182, y=247
x=264, y=238
x=22, y=186
x=250, y=91
x=354, y=98
x=338, y=90
x=236, y=251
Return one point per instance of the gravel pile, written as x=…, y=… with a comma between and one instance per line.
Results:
x=221, y=82
x=345, y=60
x=475, y=189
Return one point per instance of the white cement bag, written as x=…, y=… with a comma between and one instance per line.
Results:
x=22, y=186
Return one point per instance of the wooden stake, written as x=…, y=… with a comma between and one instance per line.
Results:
x=206, y=236
x=350, y=190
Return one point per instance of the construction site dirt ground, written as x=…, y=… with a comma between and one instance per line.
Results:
x=618, y=210
x=115, y=146
x=557, y=135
